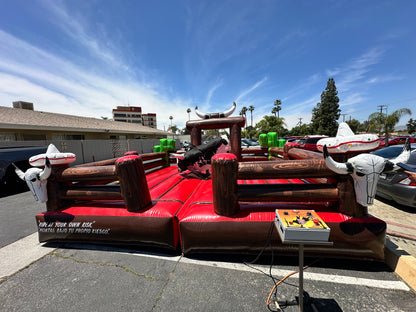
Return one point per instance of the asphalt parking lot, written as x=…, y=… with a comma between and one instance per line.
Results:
x=82, y=277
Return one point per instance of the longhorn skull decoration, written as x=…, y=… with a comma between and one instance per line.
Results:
x=215, y=115
x=365, y=170
x=36, y=179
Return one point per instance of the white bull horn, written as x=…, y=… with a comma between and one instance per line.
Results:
x=404, y=155
x=230, y=111
x=46, y=171
x=337, y=167
x=201, y=114
x=19, y=172
x=215, y=115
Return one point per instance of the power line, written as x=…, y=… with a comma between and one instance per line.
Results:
x=381, y=107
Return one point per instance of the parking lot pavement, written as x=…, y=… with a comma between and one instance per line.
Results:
x=17, y=217
x=401, y=225
x=82, y=277
x=98, y=278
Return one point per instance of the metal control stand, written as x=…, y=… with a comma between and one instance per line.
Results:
x=301, y=244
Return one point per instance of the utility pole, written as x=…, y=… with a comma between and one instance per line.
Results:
x=381, y=107
x=385, y=129
x=343, y=117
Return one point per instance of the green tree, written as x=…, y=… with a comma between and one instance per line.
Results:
x=173, y=128
x=250, y=132
x=276, y=107
x=243, y=113
x=411, y=126
x=271, y=124
x=326, y=113
x=380, y=121
x=376, y=122
x=301, y=130
x=354, y=125
x=363, y=126
x=185, y=131
x=251, y=108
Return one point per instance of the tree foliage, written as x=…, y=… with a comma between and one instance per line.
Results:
x=326, y=113
x=411, y=126
x=383, y=122
x=386, y=123
x=301, y=130
x=174, y=129
x=271, y=124
x=251, y=108
x=354, y=124
x=277, y=107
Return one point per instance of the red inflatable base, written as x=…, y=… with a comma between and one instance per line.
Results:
x=109, y=221
x=202, y=230
x=155, y=226
x=182, y=210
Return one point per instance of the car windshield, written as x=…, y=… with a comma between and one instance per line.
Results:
x=312, y=140
x=394, y=151
x=246, y=142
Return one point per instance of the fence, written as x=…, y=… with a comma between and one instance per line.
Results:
x=93, y=150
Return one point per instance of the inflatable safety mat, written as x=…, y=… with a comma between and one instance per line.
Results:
x=202, y=230
x=109, y=221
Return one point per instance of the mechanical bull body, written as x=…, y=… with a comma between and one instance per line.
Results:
x=36, y=179
x=198, y=158
x=365, y=170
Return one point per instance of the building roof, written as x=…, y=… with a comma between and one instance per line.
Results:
x=19, y=119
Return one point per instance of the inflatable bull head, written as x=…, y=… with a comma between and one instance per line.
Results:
x=365, y=169
x=215, y=115
x=36, y=179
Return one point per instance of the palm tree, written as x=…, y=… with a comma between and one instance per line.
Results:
x=243, y=112
x=276, y=108
x=379, y=121
x=189, y=113
x=174, y=129
x=171, y=117
x=251, y=108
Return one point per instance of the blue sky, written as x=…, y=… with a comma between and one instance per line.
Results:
x=86, y=57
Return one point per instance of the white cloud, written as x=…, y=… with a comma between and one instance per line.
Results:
x=250, y=89
x=211, y=92
x=76, y=28
x=57, y=85
x=357, y=70
x=384, y=78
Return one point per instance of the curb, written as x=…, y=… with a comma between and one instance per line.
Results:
x=401, y=263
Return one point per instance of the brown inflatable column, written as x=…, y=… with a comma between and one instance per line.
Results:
x=54, y=187
x=235, y=140
x=347, y=201
x=196, y=136
x=224, y=184
x=133, y=183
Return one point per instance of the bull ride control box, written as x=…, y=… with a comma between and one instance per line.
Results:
x=301, y=225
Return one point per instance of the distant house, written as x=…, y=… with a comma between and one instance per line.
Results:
x=133, y=114
x=23, y=123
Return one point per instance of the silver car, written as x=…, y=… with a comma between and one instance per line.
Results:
x=396, y=185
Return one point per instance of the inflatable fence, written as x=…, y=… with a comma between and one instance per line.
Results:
x=145, y=200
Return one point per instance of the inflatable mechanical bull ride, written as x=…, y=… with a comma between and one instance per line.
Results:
x=153, y=199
